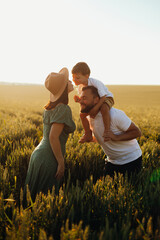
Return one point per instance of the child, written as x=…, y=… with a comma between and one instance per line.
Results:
x=80, y=75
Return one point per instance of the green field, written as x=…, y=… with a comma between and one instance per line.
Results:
x=89, y=206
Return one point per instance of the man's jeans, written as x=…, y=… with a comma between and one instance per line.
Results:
x=129, y=168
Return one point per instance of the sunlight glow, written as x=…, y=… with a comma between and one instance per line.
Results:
x=118, y=40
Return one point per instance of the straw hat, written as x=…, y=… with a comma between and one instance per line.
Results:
x=56, y=83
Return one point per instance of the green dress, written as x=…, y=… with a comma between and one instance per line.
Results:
x=43, y=164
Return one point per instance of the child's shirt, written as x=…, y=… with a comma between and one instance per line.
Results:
x=102, y=89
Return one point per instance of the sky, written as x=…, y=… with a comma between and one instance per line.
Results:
x=118, y=39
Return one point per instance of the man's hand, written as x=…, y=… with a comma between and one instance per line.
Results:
x=108, y=135
x=132, y=133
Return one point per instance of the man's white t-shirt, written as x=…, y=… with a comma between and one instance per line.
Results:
x=118, y=152
x=102, y=89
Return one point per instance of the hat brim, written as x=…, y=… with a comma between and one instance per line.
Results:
x=55, y=97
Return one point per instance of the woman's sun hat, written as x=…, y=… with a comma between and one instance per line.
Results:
x=56, y=83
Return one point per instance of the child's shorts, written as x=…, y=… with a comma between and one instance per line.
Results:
x=109, y=101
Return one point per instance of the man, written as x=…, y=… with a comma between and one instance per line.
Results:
x=120, y=144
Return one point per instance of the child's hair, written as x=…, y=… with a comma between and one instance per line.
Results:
x=81, y=67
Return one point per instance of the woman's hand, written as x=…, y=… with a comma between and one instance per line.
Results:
x=60, y=171
x=56, y=130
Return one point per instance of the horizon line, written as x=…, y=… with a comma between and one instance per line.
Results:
x=40, y=84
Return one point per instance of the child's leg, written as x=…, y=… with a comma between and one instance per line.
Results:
x=106, y=116
x=87, y=137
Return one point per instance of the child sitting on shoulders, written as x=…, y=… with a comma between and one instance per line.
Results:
x=81, y=77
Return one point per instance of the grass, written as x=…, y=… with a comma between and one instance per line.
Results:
x=89, y=206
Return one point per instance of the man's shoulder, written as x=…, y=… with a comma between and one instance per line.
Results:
x=114, y=112
x=119, y=117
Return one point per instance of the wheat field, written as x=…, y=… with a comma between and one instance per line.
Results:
x=89, y=206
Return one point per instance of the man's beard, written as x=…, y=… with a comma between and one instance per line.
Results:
x=87, y=109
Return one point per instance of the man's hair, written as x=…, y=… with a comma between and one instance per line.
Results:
x=93, y=90
x=81, y=67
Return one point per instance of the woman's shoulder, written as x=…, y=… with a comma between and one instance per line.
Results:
x=58, y=108
x=63, y=109
x=59, y=112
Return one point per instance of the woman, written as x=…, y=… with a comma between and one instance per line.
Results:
x=46, y=166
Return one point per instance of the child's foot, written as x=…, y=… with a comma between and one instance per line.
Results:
x=86, y=138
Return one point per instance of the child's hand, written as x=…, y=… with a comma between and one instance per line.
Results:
x=76, y=98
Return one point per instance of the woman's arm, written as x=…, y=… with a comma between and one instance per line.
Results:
x=55, y=132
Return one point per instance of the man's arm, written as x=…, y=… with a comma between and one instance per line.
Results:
x=131, y=133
